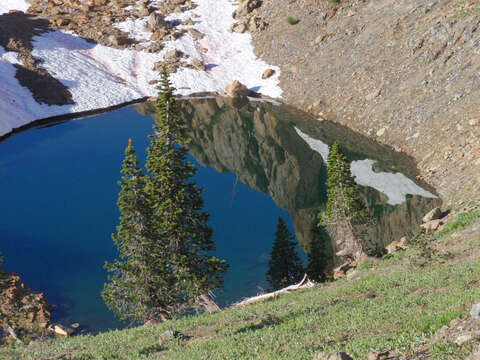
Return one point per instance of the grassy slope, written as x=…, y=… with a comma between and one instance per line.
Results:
x=392, y=305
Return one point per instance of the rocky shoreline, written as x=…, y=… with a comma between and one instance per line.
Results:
x=24, y=312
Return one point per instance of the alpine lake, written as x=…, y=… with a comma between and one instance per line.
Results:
x=256, y=161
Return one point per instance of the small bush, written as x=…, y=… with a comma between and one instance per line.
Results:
x=292, y=21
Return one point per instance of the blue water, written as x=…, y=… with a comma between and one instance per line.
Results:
x=58, y=191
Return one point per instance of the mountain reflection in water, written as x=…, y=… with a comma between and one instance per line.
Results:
x=282, y=152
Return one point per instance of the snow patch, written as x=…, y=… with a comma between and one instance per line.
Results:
x=99, y=76
x=395, y=185
x=316, y=145
x=7, y=5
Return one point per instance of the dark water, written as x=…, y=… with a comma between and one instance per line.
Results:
x=58, y=191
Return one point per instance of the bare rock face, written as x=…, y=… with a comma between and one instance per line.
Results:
x=237, y=89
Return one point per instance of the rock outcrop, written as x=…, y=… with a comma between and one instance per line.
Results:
x=24, y=310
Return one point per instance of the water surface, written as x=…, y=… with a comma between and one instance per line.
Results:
x=256, y=161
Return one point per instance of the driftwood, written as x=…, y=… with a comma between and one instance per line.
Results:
x=304, y=284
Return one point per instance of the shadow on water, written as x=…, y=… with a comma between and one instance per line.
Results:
x=277, y=150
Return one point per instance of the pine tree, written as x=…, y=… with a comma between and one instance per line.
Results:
x=346, y=214
x=163, y=238
x=285, y=267
x=317, y=259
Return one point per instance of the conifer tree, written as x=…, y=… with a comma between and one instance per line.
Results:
x=285, y=267
x=345, y=214
x=317, y=259
x=163, y=238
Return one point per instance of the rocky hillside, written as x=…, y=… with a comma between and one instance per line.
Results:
x=404, y=72
x=22, y=310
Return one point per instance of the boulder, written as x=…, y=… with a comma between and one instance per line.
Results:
x=237, y=89
x=343, y=270
x=433, y=214
x=158, y=35
x=198, y=64
x=463, y=339
x=475, y=311
x=245, y=7
x=268, y=73
x=195, y=34
x=432, y=225
x=383, y=355
x=63, y=330
x=156, y=21
x=173, y=55
x=239, y=27
x=397, y=245
x=117, y=40
x=340, y=356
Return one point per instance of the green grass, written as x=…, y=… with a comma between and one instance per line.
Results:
x=460, y=222
x=389, y=306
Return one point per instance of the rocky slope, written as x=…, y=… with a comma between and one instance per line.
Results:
x=404, y=72
x=23, y=310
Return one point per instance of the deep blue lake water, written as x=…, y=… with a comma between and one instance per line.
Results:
x=58, y=191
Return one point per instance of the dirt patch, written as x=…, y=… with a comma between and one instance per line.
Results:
x=16, y=34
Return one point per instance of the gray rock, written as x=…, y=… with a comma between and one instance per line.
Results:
x=432, y=225
x=173, y=55
x=383, y=355
x=195, y=34
x=117, y=40
x=156, y=21
x=268, y=73
x=475, y=311
x=198, y=64
x=462, y=339
x=434, y=214
x=239, y=27
x=237, y=89
x=63, y=330
x=340, y=356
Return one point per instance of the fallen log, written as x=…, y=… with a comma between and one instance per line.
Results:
x=304, y=284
